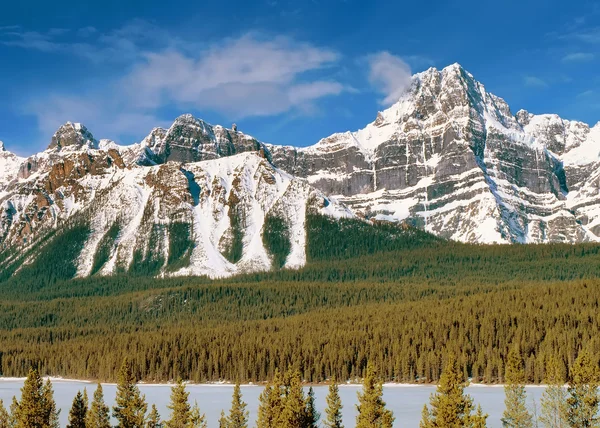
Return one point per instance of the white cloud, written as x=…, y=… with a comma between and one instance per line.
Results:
x=245, y=76
x=578, y=57
x=242, y=77
x=534, y=81
x=390, y=75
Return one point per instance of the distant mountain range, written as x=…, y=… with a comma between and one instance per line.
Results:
x=196, y=199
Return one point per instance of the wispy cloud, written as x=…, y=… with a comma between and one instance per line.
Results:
x=534, y=81
x=578, y=57
x=123, y=44
x=246, y=76
x=390, y=75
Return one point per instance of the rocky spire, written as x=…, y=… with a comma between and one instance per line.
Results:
x=73, y=134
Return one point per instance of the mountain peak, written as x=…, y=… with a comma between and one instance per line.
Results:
x=72, y=135
x=2, y=148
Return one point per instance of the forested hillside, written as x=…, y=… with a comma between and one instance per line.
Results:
x=390, y=295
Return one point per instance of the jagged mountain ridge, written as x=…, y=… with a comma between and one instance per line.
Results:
x=448, y=157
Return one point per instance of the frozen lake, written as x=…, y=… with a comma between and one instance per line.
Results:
x=404, y=400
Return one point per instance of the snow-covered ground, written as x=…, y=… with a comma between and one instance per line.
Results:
x=406, y=401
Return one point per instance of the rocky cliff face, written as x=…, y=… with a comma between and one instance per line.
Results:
x=451, y=157
x=448, y=157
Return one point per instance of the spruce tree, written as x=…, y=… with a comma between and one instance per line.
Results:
x=98, y=415
x=37, y=408
x=153, y=418
x=450, y=407
x=312, y=415
x=582, y=403
x=78, y=412
x=131, y=407
x=4, y=416
x=333, y=412
x=14, y=413
x=516, y=414
x=86, y=400
x=371, y=407
x=554, y=398
x=179, y=406
x=197, y=420
x=223, y=420
x=294, y=408
x=271, y=403
x=51, y=414
x=479, y=420
x=238, y=415
x=30, y=410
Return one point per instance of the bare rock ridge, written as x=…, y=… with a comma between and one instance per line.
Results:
x=448, y=157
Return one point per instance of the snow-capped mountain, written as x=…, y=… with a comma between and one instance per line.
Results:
x=448, y=157
x=452, y=158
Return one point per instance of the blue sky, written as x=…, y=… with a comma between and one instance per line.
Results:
x=286, y=71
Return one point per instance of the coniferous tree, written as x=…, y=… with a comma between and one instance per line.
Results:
x=37, y=408
x=480, y=418
x=238, y=415
x=223, y=420
x=131, y=407
x=4, y=416
x=516, y=414
x=179, y=406
x=197, y=420
x=86, y=400
x=14, y=413
x=51, y=414
x=153, y=418
x=371, y=407
x=312, y=415
x=582, y=403
x=554, y=398
x=271, y=403
x=333, y=411
x=450, y=407
x=294, y=413
x=98, y=416
x=78, y=412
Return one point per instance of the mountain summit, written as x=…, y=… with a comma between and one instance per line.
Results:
x=449, y=157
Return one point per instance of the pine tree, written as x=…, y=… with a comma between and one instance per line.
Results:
x=371, y=407
x=582, y=403
x=294, y=408
x=479, y=419
x=78, y=412
x=4, y=416
x=554, y=398
x=179, y=406
x=515, y=413
x=153, y=418
x=99, y=414
x=450, y=407
x=223, y=420
x=197, y=420
x=131, y=407
x=238, y=415
x=333, y=412
x=14, y=413
x=30, y=411
x=37, y=408
x=51, y=414
x=86, y=400
x=312, y=415
x=271, y=403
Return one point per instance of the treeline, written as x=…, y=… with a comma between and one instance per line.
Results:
x=284, y=404
x=404, y=340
